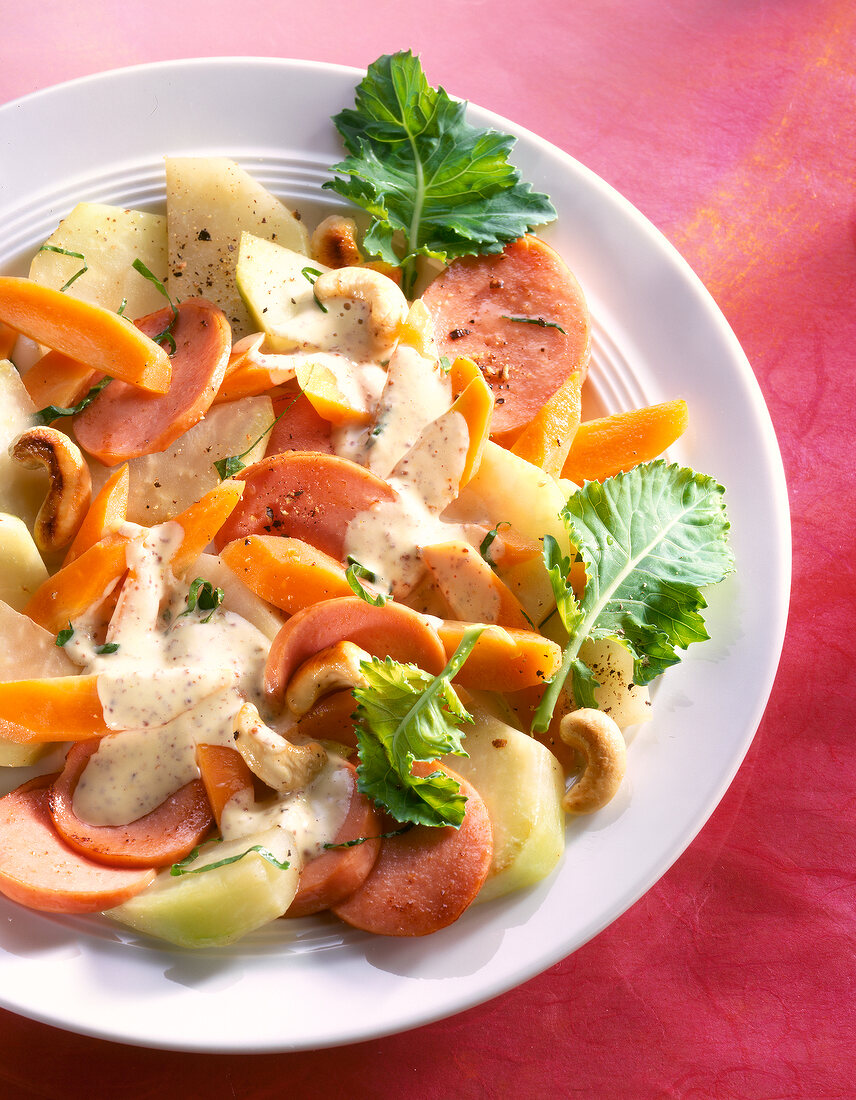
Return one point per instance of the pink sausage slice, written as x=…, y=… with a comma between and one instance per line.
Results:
x=158, y=839
x=424, y=879
x=306, y=496
x=337, y=873
x=123, y=421
x=392, y=630
x=39, y=870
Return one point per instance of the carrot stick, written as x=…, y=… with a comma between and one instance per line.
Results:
x=79, y=585
x=107, y=512
x=475, y=404
x=503, y=659
x=470, y=587
x=58, y=708
x=8, y=336
x=546, y=440
x=604, y=447
x=224, y=774
x=202, y=520
x=58, y=380
x=104, y=340
x=288, y=573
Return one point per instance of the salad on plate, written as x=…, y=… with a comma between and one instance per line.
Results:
x=318, y=592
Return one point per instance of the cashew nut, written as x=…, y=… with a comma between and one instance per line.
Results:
x=334, y=242
x=332, y=669
x=387, y=305
x=599, y=742
x=279, y=763
x=67, y=502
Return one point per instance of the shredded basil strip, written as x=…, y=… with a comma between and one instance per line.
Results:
x=356, y=572
x=65, y=635
x=74, y=256
x=166, y=335
x=203, y=596
x=445, y=364
x=50, y=413
x=182, y=867
x=311, y=274
x=534, y=321
x=108, y=647
x=228, y=467
x=121, y=310
x=362, y=839
x=488, y=540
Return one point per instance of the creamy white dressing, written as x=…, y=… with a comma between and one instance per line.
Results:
x=387, y=537
x=313, y=815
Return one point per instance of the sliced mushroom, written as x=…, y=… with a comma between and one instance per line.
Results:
x=70, y=492
x=333, y=669
x=276, y=761
x=599, y=741
x=334, y=242
x=386, y=304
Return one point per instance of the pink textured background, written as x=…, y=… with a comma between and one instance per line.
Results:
x=732, y=126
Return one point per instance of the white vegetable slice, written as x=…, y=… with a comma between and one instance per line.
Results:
x=210, y=202
x=212, y=908
x=110, y=239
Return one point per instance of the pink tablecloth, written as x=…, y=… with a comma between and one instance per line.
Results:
x=732, y=125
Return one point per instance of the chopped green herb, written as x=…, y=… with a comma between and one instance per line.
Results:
x=51, y=413
x=108, y=647
x=311, y=274
x=183, y=868
x=356, y=572
x=534, y=321
x=203, y=596
x=362, y=839
x=166, y=335
x=65, y=635
x=488, y=541
x=74, y=256
x=445, y=364
x=121, y=310
x=228, y=467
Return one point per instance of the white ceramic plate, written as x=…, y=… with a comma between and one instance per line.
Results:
x=658, y=335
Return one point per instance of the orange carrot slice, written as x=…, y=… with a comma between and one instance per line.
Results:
x=470, y=587
x=288, y=573
x=57, y=708
x=611, y=444
x=503, y=659
x=8, y=336
x=475, y=404
x=81, y=584
x=202, y=520
x=224, y=773
x=107, y=512
x=462, y=371
x=547, y=439
x=58, y=380
x=104, y=340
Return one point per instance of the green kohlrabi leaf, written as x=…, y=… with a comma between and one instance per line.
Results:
x=650, y=539
x=433, y=184
x=403, y=715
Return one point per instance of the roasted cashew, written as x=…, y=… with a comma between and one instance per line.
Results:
x=600, y=743
x=387, y=305
x=67, y=502
x=332, y=669
x=279, y=763
x=334, y=242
